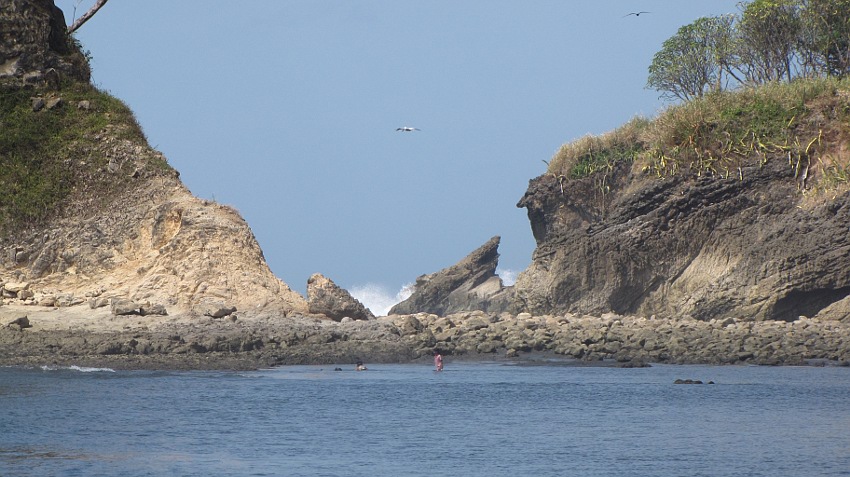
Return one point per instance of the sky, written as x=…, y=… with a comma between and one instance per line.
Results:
x=287, y=110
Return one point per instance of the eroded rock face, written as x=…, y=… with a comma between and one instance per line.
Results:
x=704, y=247
x=34, y=43
x=153, y=243
x=130, y=229
x=469, y=285
x=324, y=297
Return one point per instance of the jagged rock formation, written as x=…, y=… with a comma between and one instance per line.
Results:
x=469, y=285
x=35, y=46
x=324, y=297
x=127, y=227
x=754, y=245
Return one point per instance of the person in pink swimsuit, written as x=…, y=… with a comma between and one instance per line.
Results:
x=438, y=361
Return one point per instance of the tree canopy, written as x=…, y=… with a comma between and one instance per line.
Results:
x=769, y=40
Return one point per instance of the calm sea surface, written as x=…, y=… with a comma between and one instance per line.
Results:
x=473, y=419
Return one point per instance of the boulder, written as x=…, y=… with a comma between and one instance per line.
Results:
x=159, y=309
x=16, y=321
x=15, y=287
x=123, y=306
x=469, y=285
x=217, y=310
x=324, y=297
x=98, y=302
x=68, y=299
x=53, y=103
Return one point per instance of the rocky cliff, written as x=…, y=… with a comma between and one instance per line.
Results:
x=34, y=44
x=89, y=210
x=471, y=284
x=753, y=224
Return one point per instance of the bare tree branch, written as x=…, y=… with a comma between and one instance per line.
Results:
x=79, y=22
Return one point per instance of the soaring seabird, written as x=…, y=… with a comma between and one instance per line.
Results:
x=407, y=129
x=637, y=14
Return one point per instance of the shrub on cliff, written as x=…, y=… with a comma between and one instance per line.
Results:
x=803, y=122
x=52, y=152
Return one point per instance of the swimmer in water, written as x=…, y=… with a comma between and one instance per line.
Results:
x=438, y=361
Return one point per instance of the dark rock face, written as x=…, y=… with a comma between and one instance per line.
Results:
x=324, y=297
x=469, y=285
x=35, y=46
x=706, y=247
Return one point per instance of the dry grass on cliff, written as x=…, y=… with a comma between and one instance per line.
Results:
x=591, y=154
x=806, y=123
x=49, y=153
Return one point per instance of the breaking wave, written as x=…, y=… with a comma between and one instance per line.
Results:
x=378, y=298
x=507, y=275
x=81, y=369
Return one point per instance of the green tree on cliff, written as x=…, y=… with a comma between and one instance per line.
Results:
x=770, y=40
x=769, y=31
x=699, y=57
x=825, y=36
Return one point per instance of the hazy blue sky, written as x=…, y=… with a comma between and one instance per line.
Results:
x=287, y=110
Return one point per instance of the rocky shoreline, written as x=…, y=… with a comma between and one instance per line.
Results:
x=73, y=336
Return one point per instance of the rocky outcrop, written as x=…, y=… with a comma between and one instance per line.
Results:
x=153, y=243
x=127, y=228
x=324, y=297
x=752, y=246
x=471, y=284
x=35, y=46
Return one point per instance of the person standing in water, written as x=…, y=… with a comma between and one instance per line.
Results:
x=438, y=361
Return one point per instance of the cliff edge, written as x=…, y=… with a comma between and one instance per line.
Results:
x=734, y=206
x=89, y=211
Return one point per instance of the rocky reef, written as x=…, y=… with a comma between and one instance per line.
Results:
x=99, y=339
x=116, y=263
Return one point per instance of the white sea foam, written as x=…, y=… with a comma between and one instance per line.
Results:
x=81, y=369
x=378, y=299
x=507, y=275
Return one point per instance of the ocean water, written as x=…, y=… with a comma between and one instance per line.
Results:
x=473, y=419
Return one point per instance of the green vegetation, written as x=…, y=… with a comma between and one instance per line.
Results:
x=801, y=122
x=771, y=40
x=805, y=122
x=47, y=155
x=592, y=154
x=771, y=83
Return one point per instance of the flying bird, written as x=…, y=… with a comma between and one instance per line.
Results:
x=407, y=129
x=637, y=14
